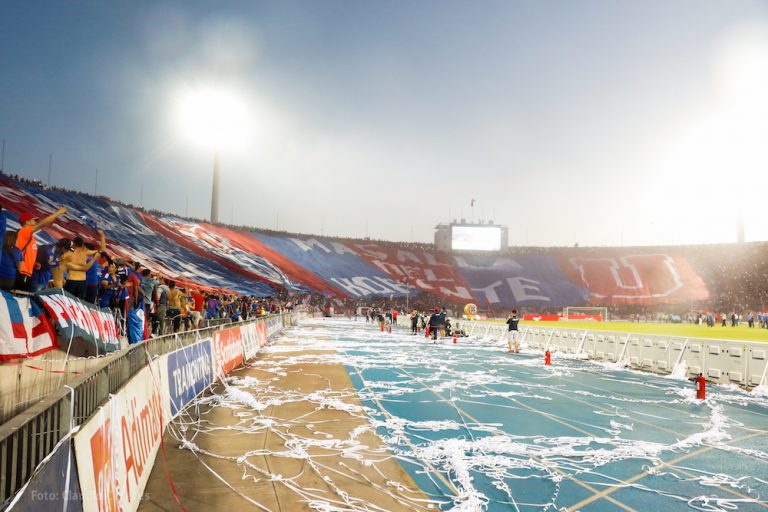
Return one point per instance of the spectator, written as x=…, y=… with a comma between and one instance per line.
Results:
x=174, y=305
x=77, y=264
x=161, y=305
x=197, y=309
x=213, y=307
x=93, y=273
x=147, y=285
x=27, y=244
x=3, y=221
x=109, y=286
x=129, y=286
x=11, y=261
x=49, y=270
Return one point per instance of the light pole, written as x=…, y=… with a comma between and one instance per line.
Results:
x=214, y=118
x=215, y=190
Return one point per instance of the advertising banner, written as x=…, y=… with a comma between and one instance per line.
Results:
x=250, y=339
x=25, y=331
x=93, y=330
x=116, y=447
x=228, y=350
x=274, y=324
x=189, y=372
x=558, y=318
x=262, y=333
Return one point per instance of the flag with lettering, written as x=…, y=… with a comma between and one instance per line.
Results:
x=89, y=329
x=137, y=325
x=25, y=331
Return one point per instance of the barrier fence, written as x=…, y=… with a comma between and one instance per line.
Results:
x=721, y=361
x=30, y=327
x=31, y=436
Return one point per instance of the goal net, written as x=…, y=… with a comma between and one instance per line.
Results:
x=591, y=314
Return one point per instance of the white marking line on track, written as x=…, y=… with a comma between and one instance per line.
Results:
x=566, y=475
x=687, y=473
x=386, y=413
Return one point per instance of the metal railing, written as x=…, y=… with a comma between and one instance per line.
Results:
x=24, y=382
x=743, y=363
x=29, y=437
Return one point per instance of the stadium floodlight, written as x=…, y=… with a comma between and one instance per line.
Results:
x=215, y=119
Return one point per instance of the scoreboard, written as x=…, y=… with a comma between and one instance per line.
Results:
x=476, y=238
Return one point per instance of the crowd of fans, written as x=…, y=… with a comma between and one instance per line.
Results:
x=736, y=275
x=94, y=276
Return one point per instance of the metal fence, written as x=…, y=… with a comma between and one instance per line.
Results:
x=24, y=382
x=720, y=361
x=29, y=437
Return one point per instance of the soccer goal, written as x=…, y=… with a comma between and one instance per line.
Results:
x=594, y=313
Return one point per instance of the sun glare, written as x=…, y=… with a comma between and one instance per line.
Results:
x=215, y=119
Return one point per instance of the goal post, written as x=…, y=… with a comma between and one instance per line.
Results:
x=587, y=313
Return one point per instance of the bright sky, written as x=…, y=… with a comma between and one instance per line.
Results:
x=597, y=122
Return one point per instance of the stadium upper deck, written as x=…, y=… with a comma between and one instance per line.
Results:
x=253, y=261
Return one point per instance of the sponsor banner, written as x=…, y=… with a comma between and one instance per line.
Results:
x=54, y=486
x=248, y=334
x=262, y=333
x=25, y=331
x=637, y=278
x=78, y=320
x=521, y=280
x=274, y=324
x=558, y=318
x=227, y=350
x=189, y=373
x=116, y=447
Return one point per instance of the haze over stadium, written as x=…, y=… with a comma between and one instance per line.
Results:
x=651, y=114
x=383, y=256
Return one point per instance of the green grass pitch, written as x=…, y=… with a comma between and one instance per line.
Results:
x=740, y=332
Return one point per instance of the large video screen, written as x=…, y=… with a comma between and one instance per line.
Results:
x=476, y=238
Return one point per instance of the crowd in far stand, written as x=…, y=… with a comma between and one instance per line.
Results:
x=92, y=275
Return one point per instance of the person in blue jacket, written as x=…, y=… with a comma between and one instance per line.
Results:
x=9, y=264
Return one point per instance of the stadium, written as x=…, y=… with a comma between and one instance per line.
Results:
x=154, y=360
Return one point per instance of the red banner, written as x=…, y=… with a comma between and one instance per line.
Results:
x=558, y=318
x=228, y=350
x=636, y=278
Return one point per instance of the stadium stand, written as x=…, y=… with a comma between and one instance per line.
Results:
x=248, y=261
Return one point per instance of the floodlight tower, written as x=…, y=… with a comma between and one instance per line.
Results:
x=217, y=119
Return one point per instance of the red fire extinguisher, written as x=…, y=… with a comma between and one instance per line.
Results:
x=701, y=387
x=547, y=358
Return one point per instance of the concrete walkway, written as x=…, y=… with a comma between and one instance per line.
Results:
x=328, y=479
